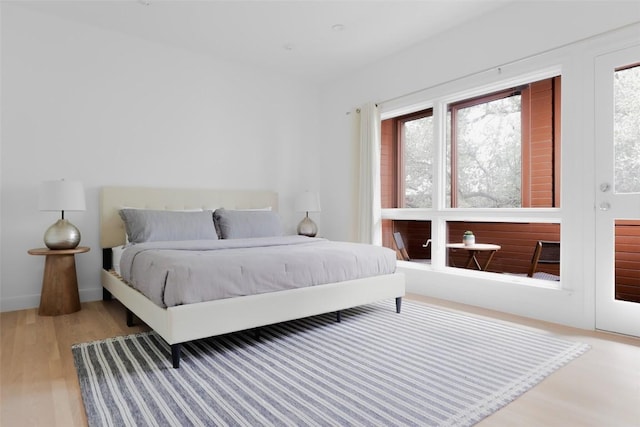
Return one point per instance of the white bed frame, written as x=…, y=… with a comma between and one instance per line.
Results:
x=184, y=323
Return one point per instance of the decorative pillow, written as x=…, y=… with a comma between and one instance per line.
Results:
x=144, y=225
x=243, y=224
x=172, y=210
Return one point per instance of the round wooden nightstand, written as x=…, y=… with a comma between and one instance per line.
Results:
x=59, y=282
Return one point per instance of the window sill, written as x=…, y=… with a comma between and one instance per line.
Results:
x=418, y=265
x=487, y=275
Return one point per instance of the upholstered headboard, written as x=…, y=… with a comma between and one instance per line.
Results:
x=112, y=199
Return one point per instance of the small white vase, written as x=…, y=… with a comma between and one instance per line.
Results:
x=469, y=239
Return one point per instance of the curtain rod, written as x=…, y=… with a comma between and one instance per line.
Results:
x=358, y=110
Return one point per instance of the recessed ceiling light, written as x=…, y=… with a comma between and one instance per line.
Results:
x=288, y=46
x=337, y=27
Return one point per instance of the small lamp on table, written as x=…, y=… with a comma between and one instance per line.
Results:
x=309, y=201
x=62, y=196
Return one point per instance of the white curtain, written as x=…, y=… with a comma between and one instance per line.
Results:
x=369, y=204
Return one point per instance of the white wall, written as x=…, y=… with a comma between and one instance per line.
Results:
x=521, y=38
x=107, y=109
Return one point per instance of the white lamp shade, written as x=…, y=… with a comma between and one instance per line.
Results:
x=309, y=201
x=61, y=196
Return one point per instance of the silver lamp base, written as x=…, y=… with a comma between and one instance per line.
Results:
x=62, y=235
x=307, y=227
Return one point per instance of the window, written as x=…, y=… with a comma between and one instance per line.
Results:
x=512, y=251
x=503, y=148
x=502, y=151
x=415, y=136
x=484, y=152
x=487, y=152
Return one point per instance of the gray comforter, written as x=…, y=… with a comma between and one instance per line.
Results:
x=185, y=272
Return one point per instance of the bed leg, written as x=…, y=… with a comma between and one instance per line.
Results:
x=130, y=321
x=338, y=316
x=398, y=304
x=175, y=355
x=106, y=295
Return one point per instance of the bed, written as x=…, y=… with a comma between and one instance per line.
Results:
x=183, y=322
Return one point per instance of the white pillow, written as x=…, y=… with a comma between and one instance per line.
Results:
x=116, y=254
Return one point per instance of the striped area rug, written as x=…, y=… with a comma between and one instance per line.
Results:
x=422, y=367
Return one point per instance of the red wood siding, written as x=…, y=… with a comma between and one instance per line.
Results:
x=627, y=260
x=387, y=234
x=541, y=162
x=388, y=164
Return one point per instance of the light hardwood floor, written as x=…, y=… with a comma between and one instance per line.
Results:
x=39, y=386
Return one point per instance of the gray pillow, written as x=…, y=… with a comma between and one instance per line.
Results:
x=145, y=225
x=233, y=224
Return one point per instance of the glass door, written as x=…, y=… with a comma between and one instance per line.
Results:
x=617, y=132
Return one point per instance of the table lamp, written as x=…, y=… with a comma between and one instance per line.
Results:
x=61, y=196
x=309, y=201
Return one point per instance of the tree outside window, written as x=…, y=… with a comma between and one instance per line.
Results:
x=626, y=131
x=485, y=161
x=416, y=139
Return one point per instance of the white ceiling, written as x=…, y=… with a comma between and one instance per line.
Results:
x=294, y=37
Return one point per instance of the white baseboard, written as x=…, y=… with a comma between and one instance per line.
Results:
x=24, y=302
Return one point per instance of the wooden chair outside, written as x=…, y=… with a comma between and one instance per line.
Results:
x=545, y=252
x=399, y=241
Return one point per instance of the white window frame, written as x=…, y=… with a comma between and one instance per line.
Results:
x=438, y=98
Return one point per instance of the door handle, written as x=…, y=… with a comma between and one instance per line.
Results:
x=604, y=187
